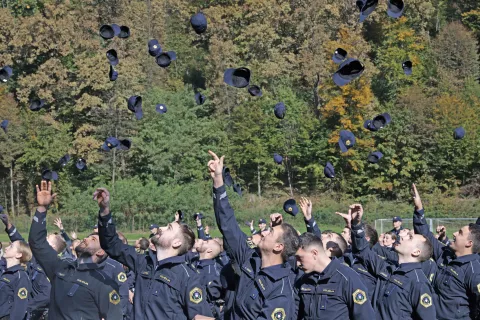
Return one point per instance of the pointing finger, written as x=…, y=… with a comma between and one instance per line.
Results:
x=215, y=157
x=38, y=189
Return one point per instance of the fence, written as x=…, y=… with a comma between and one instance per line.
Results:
x=451, y=224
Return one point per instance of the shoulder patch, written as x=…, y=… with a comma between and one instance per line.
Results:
x=279, y=314
x=114, y=297
x=425, y=300
x=122, y=277
x=22, y=293
x=431, y=278
x=359, y=296
x=196, y=295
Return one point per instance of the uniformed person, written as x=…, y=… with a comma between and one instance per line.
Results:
x=15, y=285
x=329, y=289
x=166, y=287
x=80, y=289
x=265, y=284
x=457, y=281
x=402, y=292
x=39, y=296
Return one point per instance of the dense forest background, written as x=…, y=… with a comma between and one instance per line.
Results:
x=57, y=54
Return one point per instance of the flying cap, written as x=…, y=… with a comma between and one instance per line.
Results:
x=48, y=174
x=112, y=74
x=374, y=157
x=135, y=105
x=290, y=207
x=227, y=177
x=280, y=110
x=368, y=7
x=381, y=121
x=37, y=104
x=64, y=160
x=110, y=143
x=161, y=108
x=124, y=32
x=329, y=170
x=154, y=48
x=407, y=67
x=112, y=57
x=4, y=125
x=164, y=59
x=349, y=70
x=81, y=164
x=277, y=158
x=238, y=78
x=5, y=73
x=255, y=91
x=200, y=98
x=198, y=215
x=339, y=55
x=199, y=23
x=395, y=8
x=124, y=144
x=108, y=32
x=459, y=133
x=237, y=188
x=346, y=140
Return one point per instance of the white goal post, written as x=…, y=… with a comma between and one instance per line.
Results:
x=451, y=224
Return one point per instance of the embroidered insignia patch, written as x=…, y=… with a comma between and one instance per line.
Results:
x=22, y=293
x=279, y=314
x=431, y=277
x=196, y=295
x=359, y=296
x=122, y=277
x=114, y=297
x=425, y=300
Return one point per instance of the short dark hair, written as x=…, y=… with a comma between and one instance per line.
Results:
x=393, y=235
x=474, y=236
x=342, y=243
x=290, y=241
x=426, y=250
x=143, y=243
x=371, y=233
x=188, y=239
x=308, y=239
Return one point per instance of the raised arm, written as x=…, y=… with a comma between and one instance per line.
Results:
x=420, y=225
x=311, y=224
x=10, y=229
x=109, y=240
x=37, y=238
x=233, y=236
x=200, y=230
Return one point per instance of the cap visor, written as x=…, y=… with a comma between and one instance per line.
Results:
x=337, y=60
x=339, y=81
x=228, y=76
x=342, y=145
x=393, y=14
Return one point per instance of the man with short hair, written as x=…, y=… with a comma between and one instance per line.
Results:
x=262, y=226
x=265, y=283
x=328, y=289
x=404, y=292
x=397, y=225
x=166, y=287
x=457, y=281
x=153, y=230
x=80, y=289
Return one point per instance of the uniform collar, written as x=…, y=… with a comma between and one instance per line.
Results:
x=171, y=260
x=205, y=262
x=327, y=272
x=277, y=271
x=15, y=268
x=467, y=258
x=409, y=266
x=88, y=266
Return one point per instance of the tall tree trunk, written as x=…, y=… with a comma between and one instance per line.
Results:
x=18, y=197
x=12, y=195
x=259, y=181
x=5, y=196
x=287, y=162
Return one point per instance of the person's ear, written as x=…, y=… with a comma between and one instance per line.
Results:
x=176, y=243
x=469, y=243
x=278, y=247
x=416, y=252
x=100, y=253
x=209, y=250
x=314, y=253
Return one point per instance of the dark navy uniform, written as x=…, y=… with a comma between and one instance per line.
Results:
x=209, y=271
x=336, y=293
x=457, y=281
x=261, y=293
x=312, y=227
x=401, y=293
x=369, y=280
x=14, y=290
x=115, y=270
x=222, y=259
x=397, y=231
x=79, y=291
x=166, y=289
x=39, y=296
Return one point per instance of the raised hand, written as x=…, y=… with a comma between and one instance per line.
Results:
x=276, y=219
x=441, y=232
x=73, y=235
x=44, y=195
x=102, y=196
x=347, y=217
x=251, y=225
x=356, y=211
x=199, y=221
x=4, y=219
x=207, y=230
x=306, y=206
x=215, y=167
x=58, y=223
x=177, y=217
x=416, y=198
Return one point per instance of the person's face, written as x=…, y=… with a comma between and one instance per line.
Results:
x=306, y=259
x=387, y=240
x=262, y=226
x=51, y=239
x=11, y=251
x=460, y=239
x=95, y=230
x=167, y=236
x=137, y=243
x=199, y=245
x=269, y=237
x=89, y=245
x=409, y=245
x=346, y=235
x=404, y=232
x=155, y=230
x=397, y=224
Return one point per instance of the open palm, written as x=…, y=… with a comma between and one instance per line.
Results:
x=44, y=193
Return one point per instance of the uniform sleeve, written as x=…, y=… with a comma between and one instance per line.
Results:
x=108, y=301
x=359, y=306
x=361, y=249
x=233, y=236
x=201, y=233
x=312, y=227
x=41, y=292
x=422, y=302
x=386, y=253
x=68, y=241
x=420, y=226
x=37, y=239
x=278, y=306
x=20, y=298
x=195, y=298
x=473, y=292
x=13, y=234
x=115, y=248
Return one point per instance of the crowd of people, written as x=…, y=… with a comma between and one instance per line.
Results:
x=276, y=272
